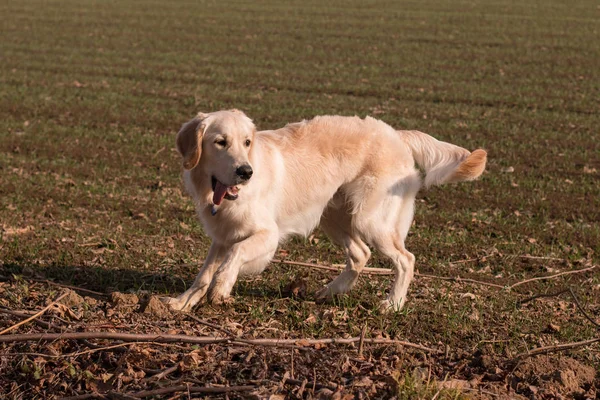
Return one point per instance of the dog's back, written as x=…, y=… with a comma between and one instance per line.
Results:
x=329, y=154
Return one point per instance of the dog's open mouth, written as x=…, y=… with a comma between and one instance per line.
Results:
x=221, y=191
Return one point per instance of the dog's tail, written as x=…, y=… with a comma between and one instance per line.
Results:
x=444, y=162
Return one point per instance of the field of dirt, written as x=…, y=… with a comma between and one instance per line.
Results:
x=95, y=224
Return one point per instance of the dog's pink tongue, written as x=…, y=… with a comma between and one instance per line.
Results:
x=219, y=193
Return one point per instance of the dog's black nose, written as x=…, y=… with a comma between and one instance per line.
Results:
x=244, y=172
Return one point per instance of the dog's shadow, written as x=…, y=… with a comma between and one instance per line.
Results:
x=104, y=280
x=99, y=279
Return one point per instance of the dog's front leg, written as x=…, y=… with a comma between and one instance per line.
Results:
x=258, y=248
x=197, y=291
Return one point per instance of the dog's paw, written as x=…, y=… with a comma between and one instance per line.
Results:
x=387, y=306
x=222, y=300
x=176, y=304
x=218, y=297
x=328, y=296
x=324, y=294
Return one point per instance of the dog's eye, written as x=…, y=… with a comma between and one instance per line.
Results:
x=247, y=142
x=221, y=142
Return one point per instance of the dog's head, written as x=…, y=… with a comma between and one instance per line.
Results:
x=220, y=144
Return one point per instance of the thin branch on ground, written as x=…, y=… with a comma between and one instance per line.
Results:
x=64, y=321
x=597, y=325
x=540, y=278
x=464, y=261
x=317, y=386
x=163, y=373
x=459, y=279
x=528, y=257
x=372, y=271
x=52, y=283
x=542, y=295
x=335, y=267
x=35, y=315
x=22, y=314
x=27, y=313
x=210, y=325
x=96, y=349
x=559, y=347
x=361, y=342
x=166, y=338
x=63, y=285
x=192, y=389
x=80, y=353
x=481, y=391
x=163, y=391
x=383, y=271
x=287, y=381
x=249, y=342
x=87, y=396
x=128, y=337
x=310, y=342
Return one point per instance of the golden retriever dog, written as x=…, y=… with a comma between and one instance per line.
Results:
x=354, y=177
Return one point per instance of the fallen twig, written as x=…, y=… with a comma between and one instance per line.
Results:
x=335, y=267
x=10, y=328
x=540, y=278
x=63, y=285
x=361, y=342
x=459, y=279
x=127, y=337
x=286, y=381
x=538, y=296
x=165, y=338
x=26, y=315
x=597, y=325
x=193, y=389
x=96, y=349
x=383, y=271
x=465, y=261
x=163, y=391
x=309, y=342
x=209, y=324
x=527, y=256
x=164, y=373
x=86, y=396
x=250, y=342
x=481, y=391
x=78, y=353
x=560, y=347
x=366, y=270
x=317, y=386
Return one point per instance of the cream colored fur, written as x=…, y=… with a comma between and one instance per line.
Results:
x=355, y=177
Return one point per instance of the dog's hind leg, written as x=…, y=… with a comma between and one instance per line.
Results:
x=385, y=227
x=388, y=238
x=188, y=299
x=336, y=223
x=404, y=265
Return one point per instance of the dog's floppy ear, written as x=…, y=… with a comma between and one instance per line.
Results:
x=189, y=140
